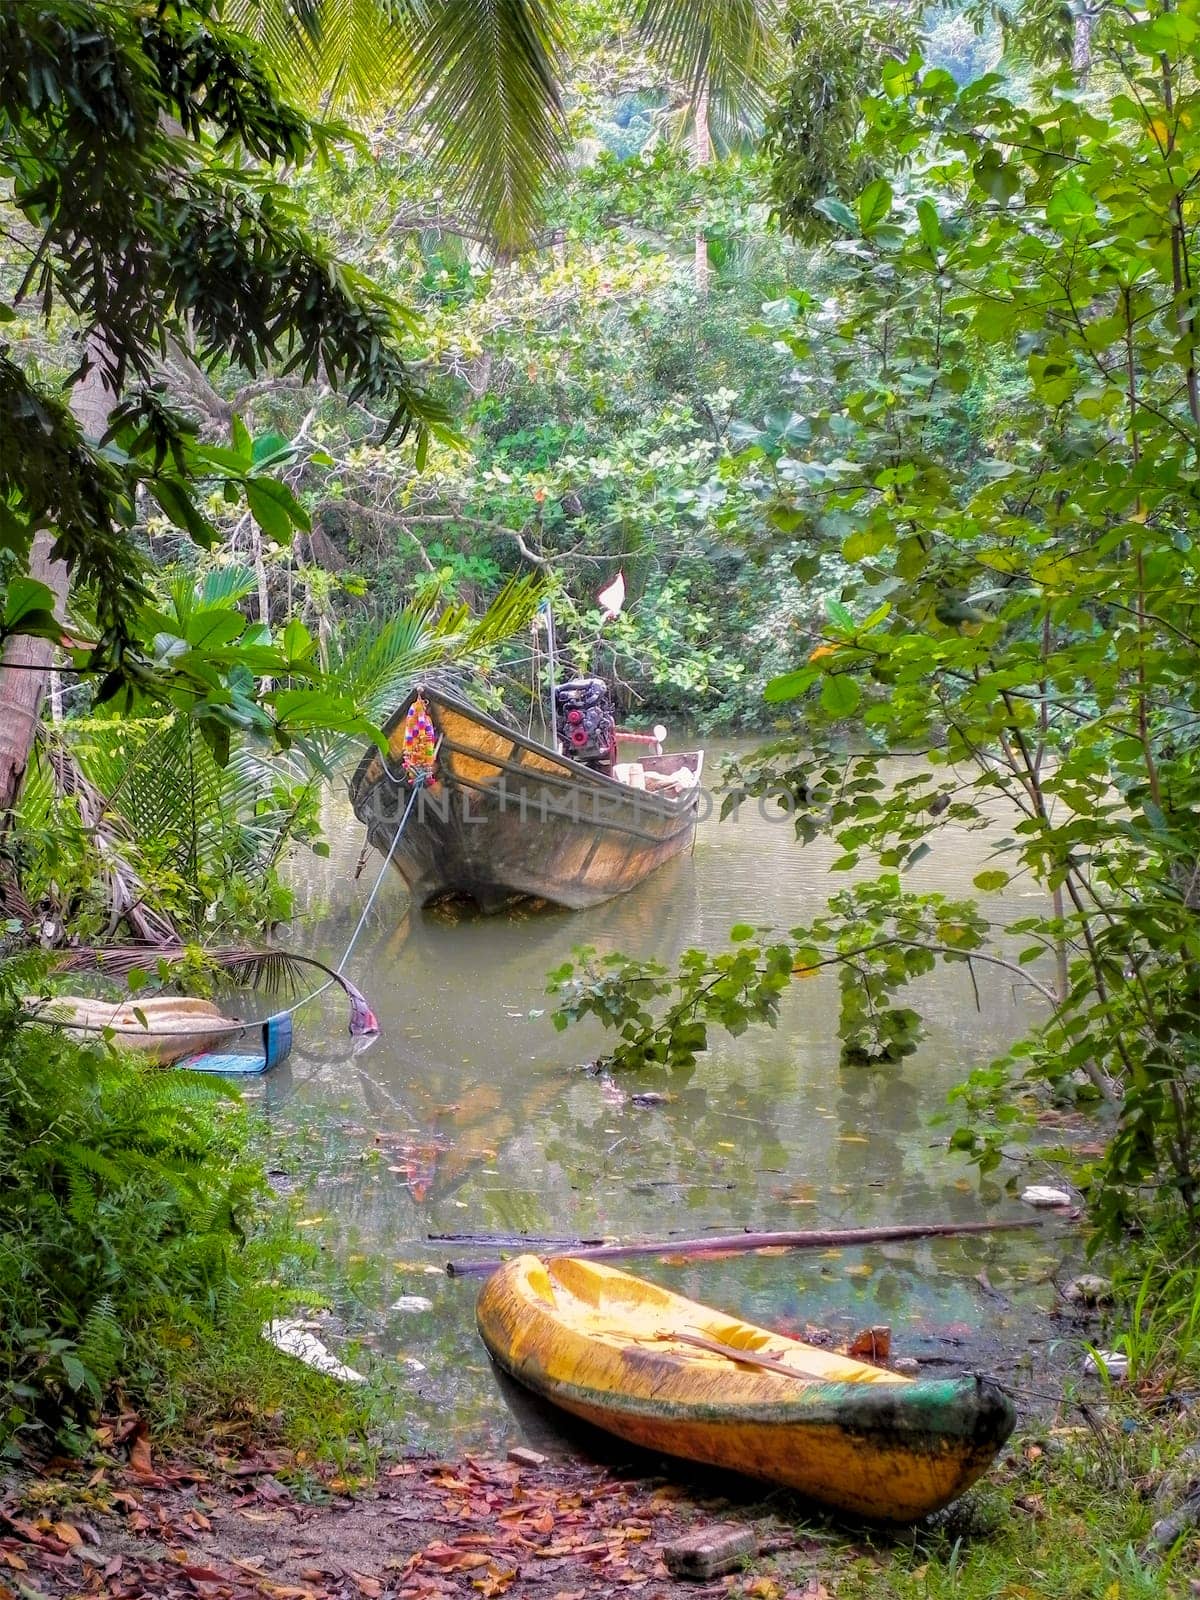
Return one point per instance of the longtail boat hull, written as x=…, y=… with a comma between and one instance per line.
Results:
x=622, y=1354
x=509, y=819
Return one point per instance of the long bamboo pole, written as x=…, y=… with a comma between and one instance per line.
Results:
x=722, y=1244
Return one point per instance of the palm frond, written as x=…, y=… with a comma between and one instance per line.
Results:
x=273, y=971
x=485, y=76
x=340, y=52
x=224, y=586
x=726, y=49
x=380, y=669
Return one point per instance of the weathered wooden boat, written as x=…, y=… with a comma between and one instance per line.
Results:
x=675, y=1376
x=508, y=818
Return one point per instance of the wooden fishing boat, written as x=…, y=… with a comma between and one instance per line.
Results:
x=509, y=818
x=671, y=1375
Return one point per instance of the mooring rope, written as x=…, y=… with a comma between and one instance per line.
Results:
x=419, y=785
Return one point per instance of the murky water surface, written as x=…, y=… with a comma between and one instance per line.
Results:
x=471, y=1116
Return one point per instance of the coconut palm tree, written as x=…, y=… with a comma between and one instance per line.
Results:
x=483, y=78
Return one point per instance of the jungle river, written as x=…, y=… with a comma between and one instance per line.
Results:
x=470, y=1115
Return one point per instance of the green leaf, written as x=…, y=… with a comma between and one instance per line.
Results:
x=180, y=509
x=840, y=695
x=874, y=204
x=29, y=608
x=790, y=684
x=243, y=448
x=272, y=505
x=930, y=224
x=837, y=212
x=996, y=177
x=269, y=449
x=988, y=881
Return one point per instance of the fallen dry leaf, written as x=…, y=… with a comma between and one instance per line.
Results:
x=140, y=1463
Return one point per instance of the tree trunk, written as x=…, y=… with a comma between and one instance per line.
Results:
x=701, y=155
x=1083, y=20
x=25, y=663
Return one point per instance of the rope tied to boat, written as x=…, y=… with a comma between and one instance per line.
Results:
x=420, y=773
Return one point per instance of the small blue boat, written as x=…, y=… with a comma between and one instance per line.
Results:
x=273, y=1046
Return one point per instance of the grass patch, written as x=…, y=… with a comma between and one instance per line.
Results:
x=1065, y=1516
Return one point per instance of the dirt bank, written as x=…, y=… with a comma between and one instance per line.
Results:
x=262, y=1527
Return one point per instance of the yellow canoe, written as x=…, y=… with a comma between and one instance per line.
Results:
x=638, y=1361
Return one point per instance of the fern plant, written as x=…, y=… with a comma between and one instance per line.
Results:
x=126, y=1195
x=135, y=826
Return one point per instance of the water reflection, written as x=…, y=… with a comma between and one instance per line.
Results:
x=471, y=1115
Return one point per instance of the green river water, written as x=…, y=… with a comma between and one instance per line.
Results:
x=472, y=1115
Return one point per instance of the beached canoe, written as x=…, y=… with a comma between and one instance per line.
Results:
x=621, y=1353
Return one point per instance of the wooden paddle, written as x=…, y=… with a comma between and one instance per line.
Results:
x=749, y=1358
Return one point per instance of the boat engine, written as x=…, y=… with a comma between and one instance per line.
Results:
x=587, y=727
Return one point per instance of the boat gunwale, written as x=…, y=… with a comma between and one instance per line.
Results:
x=609, y=824
x=838, y=1403
x=575, y=771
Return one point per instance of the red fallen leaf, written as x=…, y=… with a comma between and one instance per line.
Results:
x=203, y=1574
x=494, y=1584
x=448, y=1559
x=871, y=1344
x=365, y=1584
x=542, y=1524
x=140, y=1463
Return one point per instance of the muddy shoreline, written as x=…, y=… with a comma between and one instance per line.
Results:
x=268, y=1526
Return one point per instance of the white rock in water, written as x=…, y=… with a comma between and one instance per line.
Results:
x=411, y=1364
x=412, y=1302
x=1040, y=1194
x=1088, y=1290
x=907, y=1366
x=1115, y=1365
x=290, y=1337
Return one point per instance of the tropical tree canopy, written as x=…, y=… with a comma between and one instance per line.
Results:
x=134, y=144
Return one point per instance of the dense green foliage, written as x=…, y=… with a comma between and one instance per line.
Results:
x=1024, y=612
x=131, y=146
x=125, y=1199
